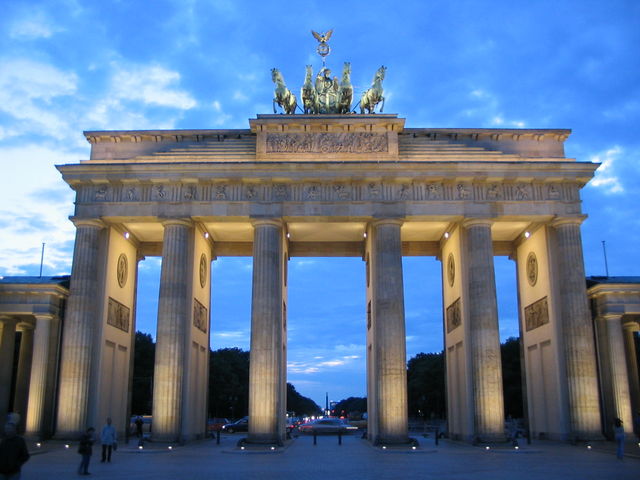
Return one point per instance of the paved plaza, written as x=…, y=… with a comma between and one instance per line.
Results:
x=354, y=459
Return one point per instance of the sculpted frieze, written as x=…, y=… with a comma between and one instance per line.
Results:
x=118, y=315
x=200, y=316
x=494, y=192
x=342, y=191
x=536, y=314
x=454, y=316
x=342, y=142
x=159, y=192
x=434, y=191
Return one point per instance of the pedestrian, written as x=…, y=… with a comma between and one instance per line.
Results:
x=636, y=425
x=139, y=424
x=619, y=436
x=86, y=449
x=108, y=440
x=13, y=453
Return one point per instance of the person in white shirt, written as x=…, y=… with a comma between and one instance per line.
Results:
x=108, y=438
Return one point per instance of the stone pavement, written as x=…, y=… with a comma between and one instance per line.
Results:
x=354, y=459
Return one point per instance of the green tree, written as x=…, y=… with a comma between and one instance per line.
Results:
x=143, y=362
x=425, y=385
x=228, y=383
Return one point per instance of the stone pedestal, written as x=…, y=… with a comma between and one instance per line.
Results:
x=23, y=374
x=266, y=405
x=79, y=332
x=40, y=371
x=483, y=330
x=173, y=319
x=577, y=332
x=389, y=338
x=7, y=348
x=631, y=357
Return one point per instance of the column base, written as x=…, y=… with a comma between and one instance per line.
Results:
x=397, y=441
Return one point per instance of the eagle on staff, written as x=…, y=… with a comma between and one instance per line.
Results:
x=322, y=37
x=323, y=47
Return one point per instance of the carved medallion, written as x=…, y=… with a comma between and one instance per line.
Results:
x=122, y=270
x=451, y=269
x=532, y=269
x=203, y=270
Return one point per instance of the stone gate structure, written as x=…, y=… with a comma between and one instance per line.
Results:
x=331, y=185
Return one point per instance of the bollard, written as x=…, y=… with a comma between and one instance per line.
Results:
x=218, y=437
x=339, y=438
x=437, y=435
x=315, y=438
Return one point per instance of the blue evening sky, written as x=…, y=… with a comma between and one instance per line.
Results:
x=70, y=65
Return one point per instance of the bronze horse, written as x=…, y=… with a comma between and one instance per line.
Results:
x=373, y=96
x=282, y=95
x=308, y=93
x=345, y=94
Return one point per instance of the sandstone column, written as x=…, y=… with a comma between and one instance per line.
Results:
x=40, y=370
x=632, y=367
x=577, y=331
x=23, y=373
x=173, y=318
x=78, y=335
x=618, y=371
x=266, y=408
x=7, y=348
x=389, y=337
x=484, y=335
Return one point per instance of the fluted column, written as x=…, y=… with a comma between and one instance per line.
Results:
x=7, y=348
x=632, y=366
x=265, y=366
x=79, y=327
x=577, y=331
x=484, y=335
x=618, y=370
x=24, y=372
x=173, y=318
x=390, y=337
x=40, y=370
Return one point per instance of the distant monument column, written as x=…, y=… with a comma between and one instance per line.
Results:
x=632, y=366
x=389, y=338
x=7, y=348
x=79, y=331
x=23, y=373
x=41, y=368
x=266, y=407
x=172, y=322
x=577, y=330
x=484, y=335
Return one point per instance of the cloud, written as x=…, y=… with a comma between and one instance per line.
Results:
x=28, y=90
x=34, y=207
x=33, y=25
x=605, y=177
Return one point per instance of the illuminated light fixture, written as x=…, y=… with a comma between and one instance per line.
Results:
x=170, y=447
x=126, y=235
x=66, y=445
x=413, y=448
x=38, y=444
x=206, y=234
x=241, y=448
x=588, y=447
x=384, y=447
x=273, y=448
x=517, y=447
x=140, y=447
x=446, y=234
x=487, y=448
x=527, y=234
x=365, y=234
x=288, y=235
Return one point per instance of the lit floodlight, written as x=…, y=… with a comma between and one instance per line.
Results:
x=126, y=235
x=527, y=234
x=446, y=234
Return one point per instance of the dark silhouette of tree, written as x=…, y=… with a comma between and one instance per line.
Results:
x=511, y=377
x=425, y=386
x=352, y=407
x=299, y=405
x=228, y=383
x=143, y=361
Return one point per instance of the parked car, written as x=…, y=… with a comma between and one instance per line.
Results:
x=326, y=425
x=215, y=424
x=241, y=425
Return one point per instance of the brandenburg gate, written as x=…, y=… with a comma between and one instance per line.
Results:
x=331, y=185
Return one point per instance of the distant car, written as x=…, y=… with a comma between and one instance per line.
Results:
x=216, y=424
x=326, y=425
x=241, y=425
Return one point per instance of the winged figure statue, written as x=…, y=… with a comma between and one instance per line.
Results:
x=322, y=37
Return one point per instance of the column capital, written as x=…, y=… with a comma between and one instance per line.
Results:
x=631, y=325
x=387, y=221
x=185, y=222
x=87, y=222
x=475, y=221
x=22, y=326
x=274, y=222
x=9, y=320
x=611, y=316
x=561, y=221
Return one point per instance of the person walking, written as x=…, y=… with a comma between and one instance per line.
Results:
x=619, y=436
x=13, y=453
x=86, y=449
x=108, y=439
x=139, y=424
